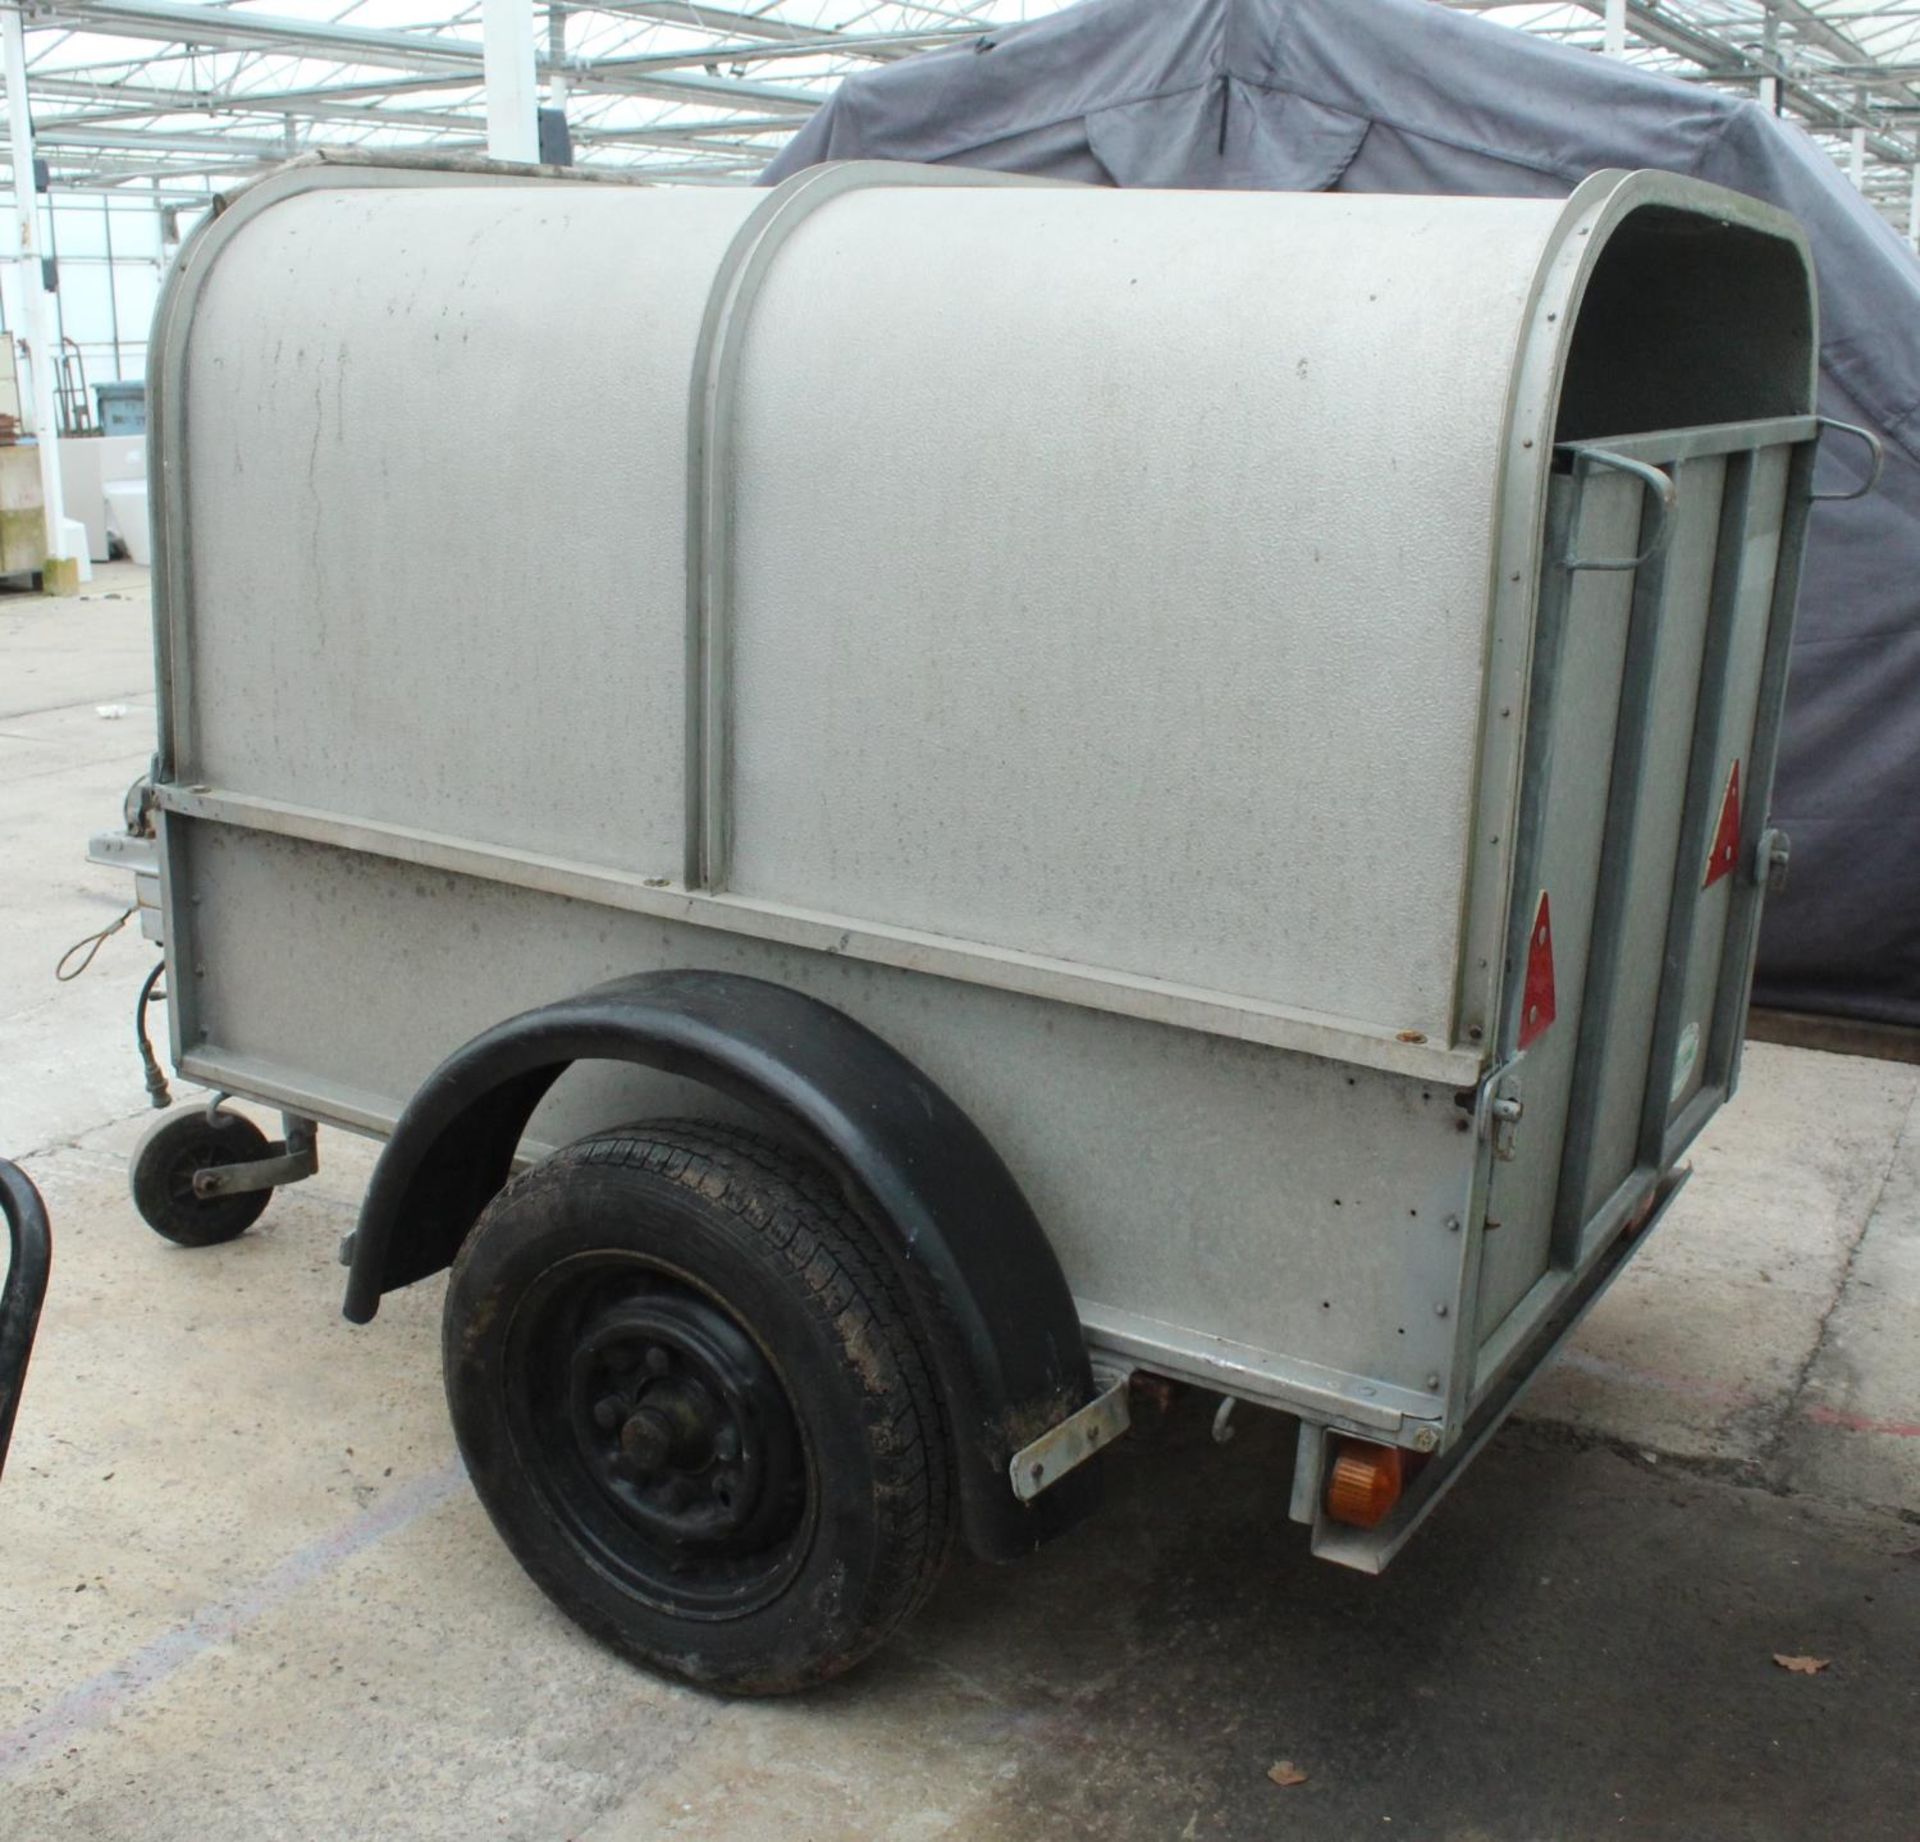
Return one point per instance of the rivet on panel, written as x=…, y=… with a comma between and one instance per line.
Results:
x=1453, y=1224
x=1441, y=1311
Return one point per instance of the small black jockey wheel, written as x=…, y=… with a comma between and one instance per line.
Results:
x=692, y=1397
x=186, y=1141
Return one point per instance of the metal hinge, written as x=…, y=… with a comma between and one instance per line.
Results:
x=1770, y=860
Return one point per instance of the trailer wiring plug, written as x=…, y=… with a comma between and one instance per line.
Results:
x=157, y=1090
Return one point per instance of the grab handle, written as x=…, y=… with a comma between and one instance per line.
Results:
x=1660, y=484
x=1876, y=448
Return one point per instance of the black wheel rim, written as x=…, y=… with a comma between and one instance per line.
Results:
x=659, y=1435
x=203, y=1152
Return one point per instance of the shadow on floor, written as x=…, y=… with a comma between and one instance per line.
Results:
x=1580, y=1644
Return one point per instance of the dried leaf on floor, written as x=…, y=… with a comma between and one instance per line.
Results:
x=1802, y=1666
x=1286, y=1772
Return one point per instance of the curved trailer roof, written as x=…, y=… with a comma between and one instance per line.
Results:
x=953, y=429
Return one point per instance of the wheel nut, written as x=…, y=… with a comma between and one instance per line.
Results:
x=726, y=1442
x=607, y=1412
x=646, y=1440
x=657, y=1360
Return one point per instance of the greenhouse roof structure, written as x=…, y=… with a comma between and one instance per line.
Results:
x=178, y=96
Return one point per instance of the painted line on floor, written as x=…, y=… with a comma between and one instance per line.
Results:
x=107, y=1695
x=1816, y=1413
x=1860, y=1422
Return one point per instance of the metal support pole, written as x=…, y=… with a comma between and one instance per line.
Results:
x=558, y=85
x=1770, y=95
x=513, y=129
x=1913, y=201
x=113, y=293
x=1858, y=165
x=36, y=326
x=1616, y=28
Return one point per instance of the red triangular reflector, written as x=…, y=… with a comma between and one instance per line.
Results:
x=1726, y=837
x=1536, y=999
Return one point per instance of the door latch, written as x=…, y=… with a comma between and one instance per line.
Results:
x=1498, y=1109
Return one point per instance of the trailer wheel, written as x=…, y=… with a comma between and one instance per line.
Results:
x=162, y=1177
x=694, y=1404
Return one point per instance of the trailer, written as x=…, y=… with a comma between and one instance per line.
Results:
x=1123, y=784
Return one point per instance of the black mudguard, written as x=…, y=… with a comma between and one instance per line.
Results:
x=28, y=1262
x=992, y=1303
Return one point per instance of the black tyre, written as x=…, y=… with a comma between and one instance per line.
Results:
x=693, y=1402
x=163, y=1170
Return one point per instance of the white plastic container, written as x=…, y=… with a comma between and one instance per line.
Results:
x=127, y=518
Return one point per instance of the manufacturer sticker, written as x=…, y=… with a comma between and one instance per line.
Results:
x=1683, y=1060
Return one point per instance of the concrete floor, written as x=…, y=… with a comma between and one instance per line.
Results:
x=245, y=1592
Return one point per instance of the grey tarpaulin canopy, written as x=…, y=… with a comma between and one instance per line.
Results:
x=1403, y=96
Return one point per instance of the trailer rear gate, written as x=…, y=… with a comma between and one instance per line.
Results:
x=1645, y=719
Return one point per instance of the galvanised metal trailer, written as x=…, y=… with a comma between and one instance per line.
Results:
x=1124, y=783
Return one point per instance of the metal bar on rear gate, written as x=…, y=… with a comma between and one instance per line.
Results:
x=1743, y=908
x=1698, y=807
x=1631, y=735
